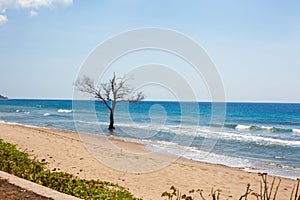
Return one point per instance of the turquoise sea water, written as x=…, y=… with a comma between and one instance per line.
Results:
x=258, y=137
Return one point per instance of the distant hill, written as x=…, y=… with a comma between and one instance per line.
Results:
x=3, y=97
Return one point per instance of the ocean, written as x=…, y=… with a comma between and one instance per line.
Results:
x=255, y=137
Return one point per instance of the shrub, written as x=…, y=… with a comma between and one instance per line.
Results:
x=19, y=164
x=268, y=191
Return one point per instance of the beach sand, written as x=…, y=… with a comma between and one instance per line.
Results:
x=129, y=164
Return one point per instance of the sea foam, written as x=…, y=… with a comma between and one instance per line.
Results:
x=64, y=111
x=210, y=133
x=296, y=131
x=269, y=128
x=242, y=127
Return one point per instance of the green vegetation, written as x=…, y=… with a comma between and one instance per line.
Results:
x=18, y=163
x=268, y=191
x=3, y=97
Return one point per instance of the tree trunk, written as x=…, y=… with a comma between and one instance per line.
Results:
x=111, y=119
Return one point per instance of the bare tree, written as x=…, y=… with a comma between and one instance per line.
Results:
x=110, y=93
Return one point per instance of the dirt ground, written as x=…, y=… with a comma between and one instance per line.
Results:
x=11, y=192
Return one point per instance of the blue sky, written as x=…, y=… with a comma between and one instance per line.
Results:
x=254, y=44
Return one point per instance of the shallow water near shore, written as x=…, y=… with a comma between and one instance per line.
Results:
x=258, y=137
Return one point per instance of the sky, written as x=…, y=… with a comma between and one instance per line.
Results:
x=255, y=45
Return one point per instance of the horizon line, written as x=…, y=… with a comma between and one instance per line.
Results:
x=164, y=100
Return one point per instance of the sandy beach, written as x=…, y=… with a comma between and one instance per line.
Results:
x=65, y=151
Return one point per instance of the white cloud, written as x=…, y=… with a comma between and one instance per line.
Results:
x=8, y=4
x=42, y=3
x=27, y=4
x=33, y=3
x=33, y=13
x=3, y=19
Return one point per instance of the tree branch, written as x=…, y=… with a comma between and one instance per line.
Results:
x=115, y=90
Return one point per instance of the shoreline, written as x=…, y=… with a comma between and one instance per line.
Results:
x=64, y=151
x=147, y=146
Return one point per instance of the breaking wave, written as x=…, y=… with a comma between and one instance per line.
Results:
x=265, y=128
x=64, y=111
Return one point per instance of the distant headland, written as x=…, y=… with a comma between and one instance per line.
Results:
x=3, y=97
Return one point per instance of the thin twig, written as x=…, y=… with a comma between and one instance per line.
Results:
x=261, y=190
x=272, y=185
x=296, y=194
x=291, y=198
x=246, y=194
x=277, y=189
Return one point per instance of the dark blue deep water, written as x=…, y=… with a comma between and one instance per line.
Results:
x=258, y=137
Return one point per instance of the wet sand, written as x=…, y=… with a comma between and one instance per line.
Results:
x=146, y=174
